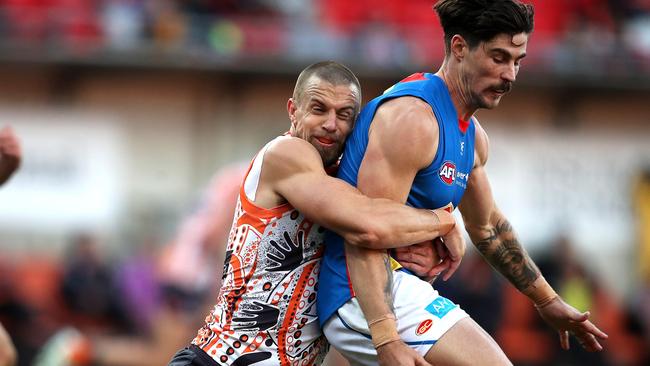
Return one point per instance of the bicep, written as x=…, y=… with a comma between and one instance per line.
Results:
x=380, y=174
x=293, y=170
x=329, y=201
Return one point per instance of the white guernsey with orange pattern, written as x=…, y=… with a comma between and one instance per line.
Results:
x=266, y=310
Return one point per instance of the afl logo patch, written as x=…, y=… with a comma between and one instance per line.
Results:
x=447, y=172
x=424, y=327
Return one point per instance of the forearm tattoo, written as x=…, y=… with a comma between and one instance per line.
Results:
x=502, y=249
x=388, y=288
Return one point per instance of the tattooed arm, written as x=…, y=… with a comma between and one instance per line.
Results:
x=500, y=246
x=496, y=240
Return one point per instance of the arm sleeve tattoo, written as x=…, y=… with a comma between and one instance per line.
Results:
x=502, y=250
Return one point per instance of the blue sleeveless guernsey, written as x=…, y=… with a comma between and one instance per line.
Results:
x=439, y=185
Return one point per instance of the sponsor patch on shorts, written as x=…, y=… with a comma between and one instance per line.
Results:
x=440, y=307
x=424, y=327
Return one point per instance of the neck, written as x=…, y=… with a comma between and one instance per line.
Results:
x=458, y=89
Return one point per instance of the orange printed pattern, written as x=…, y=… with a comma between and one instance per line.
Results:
x=266, y=309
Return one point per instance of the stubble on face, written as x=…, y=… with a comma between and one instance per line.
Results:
x=510, y=48
x=324, y=95
x=330, y=156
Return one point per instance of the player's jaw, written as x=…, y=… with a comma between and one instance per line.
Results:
x=490, y=96
x=329, y=147
x=482, y=89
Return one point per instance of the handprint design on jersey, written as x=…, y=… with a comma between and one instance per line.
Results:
x=266, y=309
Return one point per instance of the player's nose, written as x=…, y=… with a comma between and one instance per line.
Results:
x=330, y=122
x=510, y=73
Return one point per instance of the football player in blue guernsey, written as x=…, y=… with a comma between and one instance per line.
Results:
x=420, y=143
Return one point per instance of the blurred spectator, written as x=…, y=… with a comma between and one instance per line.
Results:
x=26, y=20
x=168, y=25
x=194, y=258
x=589, y=40
x=71, y=22
x=15, y=316
x=641, y=301
x=520, y=328
x=77, y=22
x=641, y=200
x=123, y=22
x=379, y=45
x=136, y=281
x=565, y=273
x=88, y=286
x=583, y=290
x=10, y=154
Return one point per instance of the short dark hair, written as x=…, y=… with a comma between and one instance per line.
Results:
x=330, y=71
x=481, y=20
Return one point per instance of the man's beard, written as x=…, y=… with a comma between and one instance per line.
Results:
x=481, y=100
x=330, y=156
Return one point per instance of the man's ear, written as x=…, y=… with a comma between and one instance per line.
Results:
x=458, y=47
x=291, y=110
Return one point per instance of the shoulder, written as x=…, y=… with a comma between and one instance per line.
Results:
x=481, y=144
x=409, y=125
x=285, y=162
x=408, y=112
x=286, y=155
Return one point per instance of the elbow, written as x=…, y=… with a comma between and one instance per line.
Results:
x=368, y=237
x=476, y=229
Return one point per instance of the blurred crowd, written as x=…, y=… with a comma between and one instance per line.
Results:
x=570, y=35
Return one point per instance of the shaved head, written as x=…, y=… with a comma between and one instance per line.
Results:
x=328, y=71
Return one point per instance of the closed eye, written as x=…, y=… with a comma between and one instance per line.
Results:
x=518, y=61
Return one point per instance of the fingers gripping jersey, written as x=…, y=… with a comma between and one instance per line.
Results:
x=266, y=308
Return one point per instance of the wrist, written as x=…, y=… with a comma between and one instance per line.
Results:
x=446, y=221
x=540, y=292
x=383, y=330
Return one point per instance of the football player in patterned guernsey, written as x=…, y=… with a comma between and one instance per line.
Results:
x=265, y=312
x=420, y=143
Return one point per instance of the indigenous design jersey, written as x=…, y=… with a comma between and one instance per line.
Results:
x=266, y=311
x=440, y=185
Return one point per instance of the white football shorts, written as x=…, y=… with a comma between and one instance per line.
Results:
x=423, y=316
